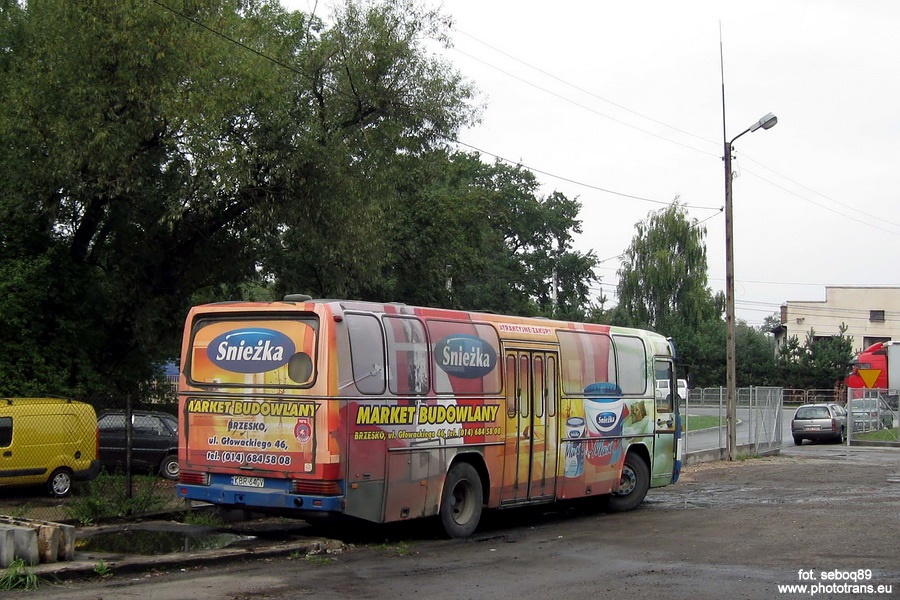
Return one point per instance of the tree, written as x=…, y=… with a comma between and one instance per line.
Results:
x=662, y=280
x=663, y=286
x=160, y=154
x=470, y=235
x=149, y=162
x=820, y=363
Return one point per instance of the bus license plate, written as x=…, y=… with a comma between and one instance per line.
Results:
x=247, y=481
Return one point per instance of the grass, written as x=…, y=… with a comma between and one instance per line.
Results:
x=106, y=498
x=17, y=576
x=399, y=549
x=102, y=569
x=880, y=435
x=203, y=518
x=695, y=422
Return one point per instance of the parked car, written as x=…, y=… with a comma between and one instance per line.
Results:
x=871, y=413
x=154, y=442
x=819, y=422
x=47, y=441
x=662, y=388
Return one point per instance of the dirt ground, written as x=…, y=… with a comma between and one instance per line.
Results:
x=820, y=515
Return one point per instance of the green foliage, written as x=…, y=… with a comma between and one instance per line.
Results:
x=17, y=576
x=204, y=518
x=663, y=287
x=468, y=235
x=102, y=569
x=820, y=363
x=662, y=280
x=106, y=497
x=150, y=163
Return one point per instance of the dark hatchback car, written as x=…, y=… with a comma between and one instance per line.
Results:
x=154, y=442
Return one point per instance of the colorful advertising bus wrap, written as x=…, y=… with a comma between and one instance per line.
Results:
x=387, y=412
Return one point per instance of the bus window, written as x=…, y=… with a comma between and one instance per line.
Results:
x=664, y=389
x=407, y=355
x=465, y=357
x=300, y=367
x=588, y=359
x=524, y=384
x=511, y=390
x=550, y=382
x=539, y=387
x=632, y=357
x=366, y=352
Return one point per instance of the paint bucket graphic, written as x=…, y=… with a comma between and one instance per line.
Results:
x=574, y=449
x=604, y=409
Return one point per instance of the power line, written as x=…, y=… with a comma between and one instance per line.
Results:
x=582, y=106
x=797, y=183
x=576, y=87
x=581, y=183
x=588, y=92
x=448, y=138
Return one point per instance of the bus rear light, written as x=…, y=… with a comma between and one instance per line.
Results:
x=193, y=478
x=315, y=488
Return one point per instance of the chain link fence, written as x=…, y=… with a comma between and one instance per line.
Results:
x=873, y=416
x=760, y=420
x=58, y=464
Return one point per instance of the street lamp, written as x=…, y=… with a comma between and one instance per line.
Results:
x=767, y=122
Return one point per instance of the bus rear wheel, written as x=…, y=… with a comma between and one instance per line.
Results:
x=461, y=501
x=633, y=484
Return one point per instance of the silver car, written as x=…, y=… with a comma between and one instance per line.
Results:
x=871, y=413
x=819, y=422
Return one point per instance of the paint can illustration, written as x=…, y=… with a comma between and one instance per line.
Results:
x=574, y=447
x=604, y=409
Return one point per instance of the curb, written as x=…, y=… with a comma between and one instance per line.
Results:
x=85, y=565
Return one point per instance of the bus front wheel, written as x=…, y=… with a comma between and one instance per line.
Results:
x=633, y=484
x=461, y=501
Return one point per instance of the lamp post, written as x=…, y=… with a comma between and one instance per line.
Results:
x=767, y=122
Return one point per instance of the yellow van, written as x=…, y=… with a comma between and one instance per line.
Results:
x=49, y=441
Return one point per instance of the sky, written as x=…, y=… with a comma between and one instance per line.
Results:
x=619, y=104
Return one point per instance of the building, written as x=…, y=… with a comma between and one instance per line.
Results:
x=871, y=314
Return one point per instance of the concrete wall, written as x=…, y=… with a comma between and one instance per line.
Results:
x=856, y=307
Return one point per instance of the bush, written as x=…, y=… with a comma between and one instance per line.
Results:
x=106, y=497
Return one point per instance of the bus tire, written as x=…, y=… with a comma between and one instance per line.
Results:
x=633, y=484
x=461, y=501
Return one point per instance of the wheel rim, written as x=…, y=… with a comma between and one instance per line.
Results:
x=170, y=469
x=628, y=481
x=61, y=484
x=462, y=505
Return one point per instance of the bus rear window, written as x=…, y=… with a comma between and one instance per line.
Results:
x=255, y=353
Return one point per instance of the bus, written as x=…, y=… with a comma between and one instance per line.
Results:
x=387, y=412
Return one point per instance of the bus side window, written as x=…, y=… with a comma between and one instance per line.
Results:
x=511, y=389
x=366, y=353
x=664, y=386
x=524, y=384
x=550, y=383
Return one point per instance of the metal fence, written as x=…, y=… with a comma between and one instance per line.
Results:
x=759, y=426
x=873, y=416
x=51, y=467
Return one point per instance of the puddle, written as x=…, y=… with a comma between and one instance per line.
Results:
x=145, y=542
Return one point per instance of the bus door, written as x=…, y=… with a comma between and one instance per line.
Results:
x=666, y=421
x=532, y=431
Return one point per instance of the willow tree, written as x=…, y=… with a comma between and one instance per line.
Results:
x=663, y=286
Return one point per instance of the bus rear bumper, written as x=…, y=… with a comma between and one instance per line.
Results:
x=249, y=498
